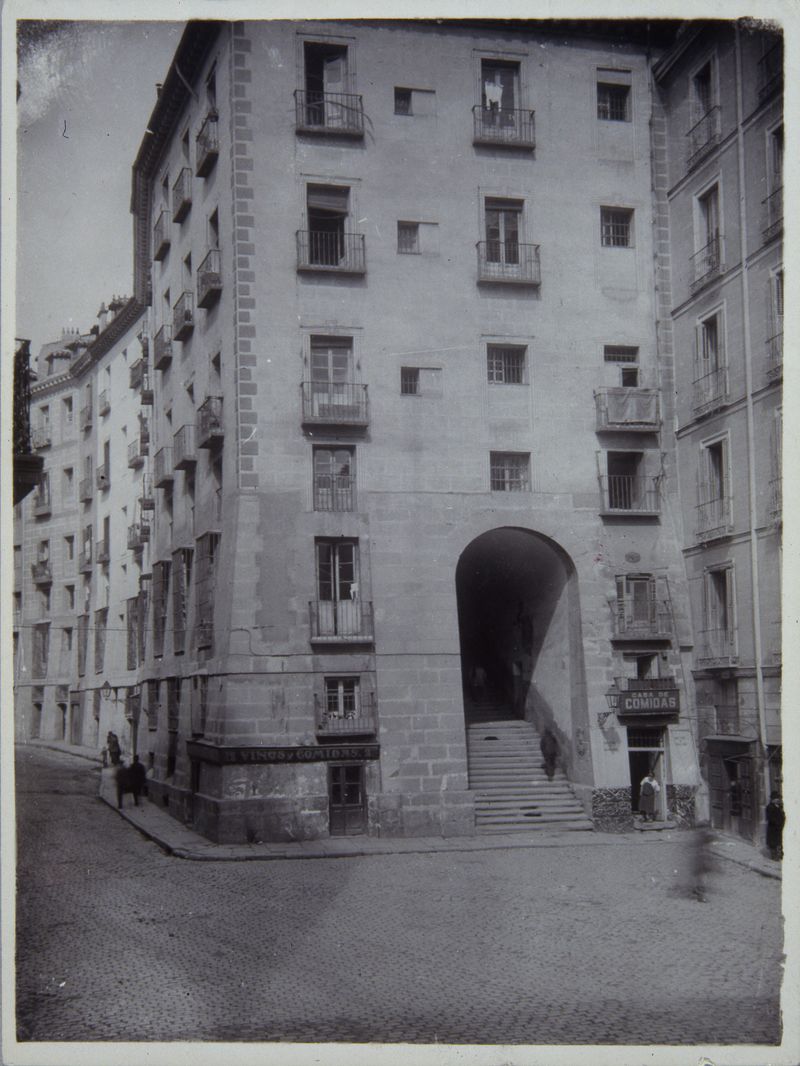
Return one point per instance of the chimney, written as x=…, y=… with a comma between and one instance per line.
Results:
x=102, y=316
x=159, y=87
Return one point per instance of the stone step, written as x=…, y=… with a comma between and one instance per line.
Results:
x=576, y=825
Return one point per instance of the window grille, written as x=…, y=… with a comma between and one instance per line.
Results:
x=612, y=102
x=509, y=472
x=506, y=365
x=615, y=224
x=620, y=353
x=402, y=101
x=409, y=380
x=408, y=238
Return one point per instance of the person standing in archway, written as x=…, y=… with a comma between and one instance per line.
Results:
x=648, y=793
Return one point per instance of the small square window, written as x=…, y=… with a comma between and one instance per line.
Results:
x=402, y=102
x=510, y=471
x=505, y=364
x=616, y=227
x=408, y=238
x=612, y=102
x=630, y=377
x=409, y=381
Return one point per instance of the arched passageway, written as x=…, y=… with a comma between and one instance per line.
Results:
x=519, y=626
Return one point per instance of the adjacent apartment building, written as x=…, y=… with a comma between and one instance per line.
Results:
x=411, y=313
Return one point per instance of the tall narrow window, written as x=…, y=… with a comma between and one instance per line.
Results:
x=334, y=483
x=181, y=583
x=719, y=615
x=711, y=381
x=338, y=600
x=616, y=227
x=636, y=605
x=409, y=381
x=714, y=494
x=326, y=85
x=503, y=229
x=328, y=209
x=702, y=91
x=402, y=101
x=331, y=373
x=500, y=89
x=408, y=238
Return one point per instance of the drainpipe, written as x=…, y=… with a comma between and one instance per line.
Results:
x=748, y=371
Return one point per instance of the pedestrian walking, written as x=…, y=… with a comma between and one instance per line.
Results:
x=776, y=819
x=114, y=750
x=649, y=789
x=549, y=748
x=138, y=778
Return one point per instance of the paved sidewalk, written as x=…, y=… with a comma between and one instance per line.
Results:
x=182, y=842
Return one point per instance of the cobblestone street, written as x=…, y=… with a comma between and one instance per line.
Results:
x=568, y=944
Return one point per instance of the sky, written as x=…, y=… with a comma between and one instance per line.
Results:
x=87, y=90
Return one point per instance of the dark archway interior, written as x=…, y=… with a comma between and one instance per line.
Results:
x=513, y=622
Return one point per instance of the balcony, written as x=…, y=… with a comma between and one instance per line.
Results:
x=162, y=467
x=338, y=114
x=334, y=492
x=184, y=454
x=717, y=648
x=103, y=403
x=85, y=493
x=85, y=562
x=703, y=136
x=41, y=438
x=651, y=620
x=136, y=373
x=162, y=348
x=647, y=697
x=209, y=423
x=710, y=391
x=183, y=316
x=334, y=403
x=507, y=127
x=630, y=494
x=137, y=451
x=138, y=536
x=147, y=499
x=770, y=72
x=341, y=621
x=331, y=252
x=103, y=477
x=362, y=720
x=508, y=262
x=41, y=503
x=146, y=392
x=207, y=145
x=182, y=194
x=776, y=501
x=632, y=410
x=713, y=517
x=103, y=550
x=86, y=416
x=773, y=214
x=775, y=356
x=42, y=574
x=161, y=236
x=706, y=264
x=209, y=279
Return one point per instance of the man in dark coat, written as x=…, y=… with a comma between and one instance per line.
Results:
x=549, y=748
x=130, y=779
x=776, y=817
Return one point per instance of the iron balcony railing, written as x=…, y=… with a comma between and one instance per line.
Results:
x=334, y=492
x=710, y=391
x=339, y=252
x=630, y=409
x=144, y=341
x=706, y=264
x=717, y=647
x=137, y=450
x=341, y=114
x=161, y=236
x=361, y=719
x=209, y=279
x=209, y=422
x=335, y=403
x=41, y=438
x=776, y=500
x=138, y=535
x=512, y=127
x=204, y=633
x=631, y=494
x=652, y=622
x=163, y=467
x=703, y=135
x=207, y=145
x=773, y=213
x=770, y=71
x=85, y=560
x=85, y=490
x=147, y=500
x=644, y=684
x=86, y=416
x=341, y=620
x=135, y=373
x=146, y=391
x=41, y=502
x=103, y=477
x=775, y=355
x=182, y=194
x=183, y=316
x=103, y=550
x=162, y=348
x=184, y=454
x=103, y=403
x=509, y=261
x=713, y=516
x=42, y=573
